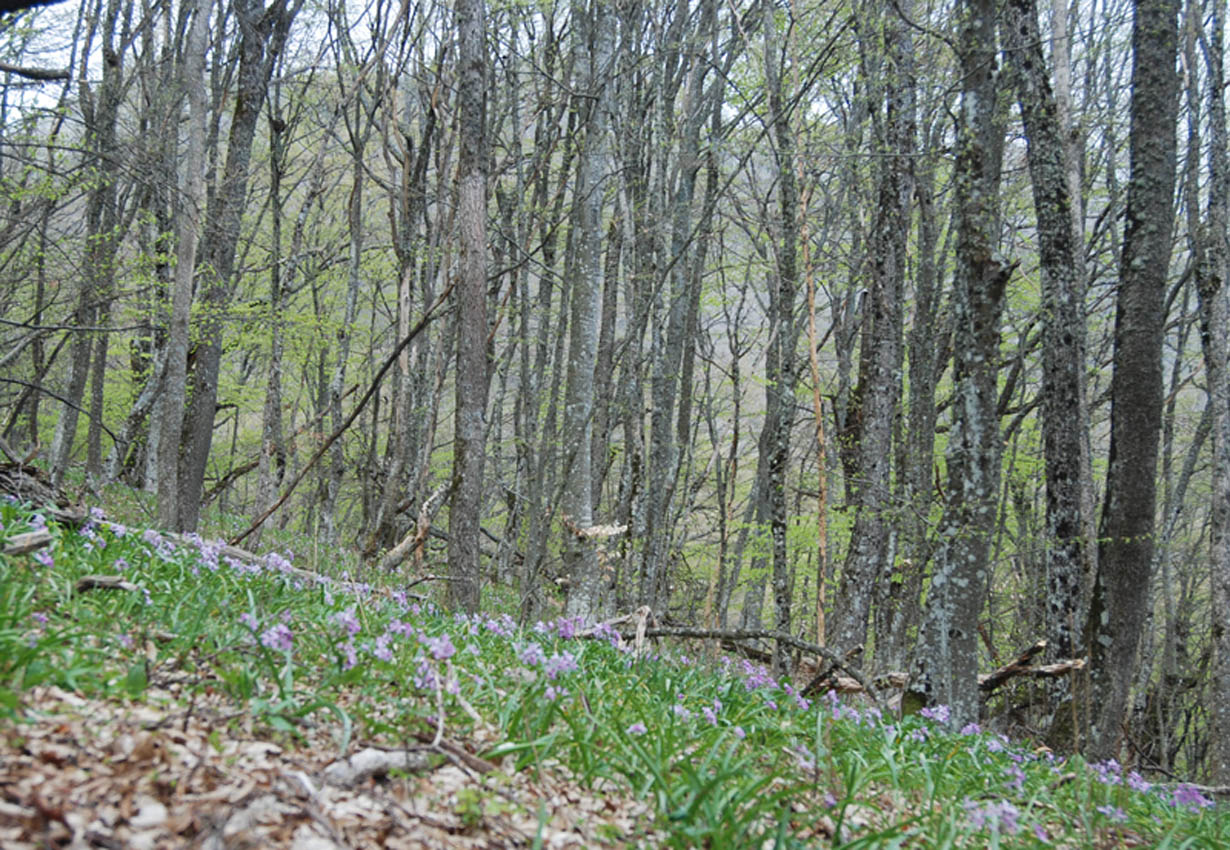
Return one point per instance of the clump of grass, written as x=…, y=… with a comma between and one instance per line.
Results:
x=729, y=756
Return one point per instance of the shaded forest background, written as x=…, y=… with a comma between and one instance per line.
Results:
x=900, y=326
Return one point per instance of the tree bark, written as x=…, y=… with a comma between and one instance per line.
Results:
x=1063, y=332
x=1212, y=270
x=946, y=660
x=1125, y=552
x=869, y=563
x=263, y=34
x=596, y=41
x=170, y=417
x=469, y=431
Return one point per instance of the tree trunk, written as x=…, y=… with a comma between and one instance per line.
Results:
x=1125, y=553
x=263, y=33
x=472, y=369
x=1212, y=269
x=170, y=417
x=596, y=42
x=1063, y=332
x=869, y=566
x=946, y=658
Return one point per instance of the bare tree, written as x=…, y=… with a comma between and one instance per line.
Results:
x=595, y=41
x=1063, y=350
x=172, y=397
x=946, y=658
x=1125, y=552
x=472, y=370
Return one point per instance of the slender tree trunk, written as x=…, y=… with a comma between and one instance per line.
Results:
x=263, y=33
x=170, y=417
x=946, y=658
x=1212, y=270
x=869, y=567
x=1063, y=351
x=101, y=113
x=1125, y=554
x=780, y=365
x=596, y=41
x=472, y=370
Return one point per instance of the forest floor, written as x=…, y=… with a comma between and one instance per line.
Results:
x=174, y=771
x=165, y=691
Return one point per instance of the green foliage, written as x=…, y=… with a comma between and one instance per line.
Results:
x=727, y=756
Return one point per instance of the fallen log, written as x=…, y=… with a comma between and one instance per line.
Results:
x=30, y=541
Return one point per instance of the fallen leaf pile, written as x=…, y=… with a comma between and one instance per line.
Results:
x=83, y=773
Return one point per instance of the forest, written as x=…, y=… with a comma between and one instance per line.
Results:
x=897, y=329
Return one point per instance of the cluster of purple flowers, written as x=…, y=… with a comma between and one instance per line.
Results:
x=999, y=816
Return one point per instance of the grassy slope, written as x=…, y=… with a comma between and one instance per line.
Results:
x=210, y=701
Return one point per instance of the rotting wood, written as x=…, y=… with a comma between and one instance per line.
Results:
x=30, y=541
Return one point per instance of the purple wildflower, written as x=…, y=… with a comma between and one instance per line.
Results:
x=681, y=711
x=532, y=655
x=39, y=617
x=440, y=647
x=740, y=733
x=44, y=558
x=1113, y=813
x=937, y=713
x=998, y=816
x=425, y=676
x=1040, y=833
x=1189, y=796
x=348, y=621
x=1137, y=782
x=382, y=650
x=1016, y=777
x=279, y=636
x=352, y=655
x=552, y=693
x=710, y=715
x=637, y=729
x=558, y=664
x=971, y=729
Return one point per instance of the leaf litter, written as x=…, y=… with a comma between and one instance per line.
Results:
x=93, y=773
